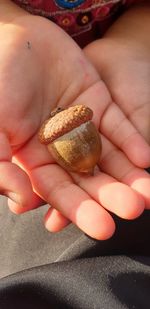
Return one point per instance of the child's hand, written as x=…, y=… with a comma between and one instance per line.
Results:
x=40, y=68
x=126, y=72
x=122, y=59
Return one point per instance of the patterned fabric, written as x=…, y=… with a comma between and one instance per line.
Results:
x=74, y=16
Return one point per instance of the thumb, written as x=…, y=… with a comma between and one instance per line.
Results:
x=14, y=182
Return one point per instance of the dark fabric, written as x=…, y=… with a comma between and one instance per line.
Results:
x=76, y=271
x=102, y=282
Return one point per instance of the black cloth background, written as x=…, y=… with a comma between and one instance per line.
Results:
x=79, y=272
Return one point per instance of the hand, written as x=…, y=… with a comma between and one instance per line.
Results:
x=122, y=59
x=37, y=73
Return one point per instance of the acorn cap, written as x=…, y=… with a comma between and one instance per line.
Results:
x=64, y=122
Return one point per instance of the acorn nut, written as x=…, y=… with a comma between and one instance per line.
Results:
x=72, y=138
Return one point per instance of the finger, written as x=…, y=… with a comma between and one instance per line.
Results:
x=114, y=125
x=55, y=221
x=31, y=155
x=114, y=196
x=124, y=135
x=114, y=163
x=59, y=191
x=17, y=208
x=133, y=98
x=14, y=182
x=56, y=187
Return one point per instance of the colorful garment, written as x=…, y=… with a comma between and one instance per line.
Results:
x=76, y=16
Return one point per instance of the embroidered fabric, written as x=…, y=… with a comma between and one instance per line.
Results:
x=74, y=16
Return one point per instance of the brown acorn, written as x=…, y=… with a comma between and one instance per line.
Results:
x=72, y=139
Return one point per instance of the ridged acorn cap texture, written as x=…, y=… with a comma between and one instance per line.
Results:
x=63, y=122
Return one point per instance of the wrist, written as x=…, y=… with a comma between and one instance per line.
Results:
x=10, y=11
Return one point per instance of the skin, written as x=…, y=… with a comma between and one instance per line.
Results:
x=36, y=76
x=127, y=78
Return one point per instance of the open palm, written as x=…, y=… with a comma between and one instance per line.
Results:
x=126, y=72
x=39, y=70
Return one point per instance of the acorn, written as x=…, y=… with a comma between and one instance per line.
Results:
x=72, y=138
